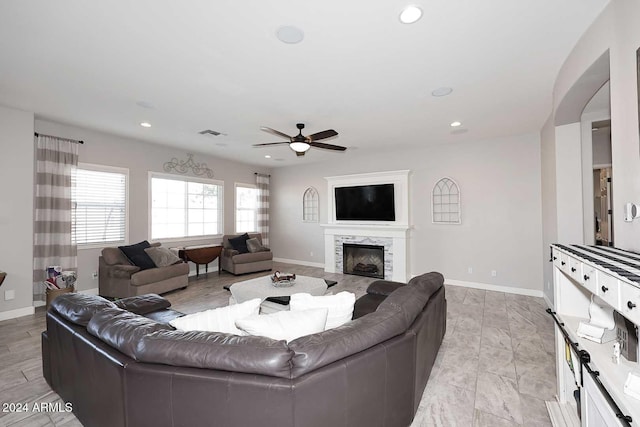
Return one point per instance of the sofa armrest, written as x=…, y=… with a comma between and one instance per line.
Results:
x=229, y=252
x=383, y=287
x=121, y=271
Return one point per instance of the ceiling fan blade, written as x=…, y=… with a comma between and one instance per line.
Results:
x=322, y=135
x=275, y=132
x=327, y=146
x=270, y=143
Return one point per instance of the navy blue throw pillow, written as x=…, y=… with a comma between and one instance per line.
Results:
x=240, y=243
x=137, y=255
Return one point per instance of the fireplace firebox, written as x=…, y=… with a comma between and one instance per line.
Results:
x=363, y=260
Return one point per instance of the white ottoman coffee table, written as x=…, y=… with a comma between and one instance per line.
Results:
x=262, y=288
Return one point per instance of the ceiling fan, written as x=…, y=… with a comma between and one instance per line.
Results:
x=300, y=143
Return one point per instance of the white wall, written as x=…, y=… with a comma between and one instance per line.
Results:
x=617, y=31
x=549, y=201
x=501, y=209
x=140, y=158
x=16, y=214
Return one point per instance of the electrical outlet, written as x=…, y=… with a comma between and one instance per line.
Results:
x=311, y=253
x=494, y=273
x=470, y=270
x=94, y=275
x=9, y=295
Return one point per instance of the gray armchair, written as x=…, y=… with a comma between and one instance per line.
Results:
x=118, y=278
x=236, y=263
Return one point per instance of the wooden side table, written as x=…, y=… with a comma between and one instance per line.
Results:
x=200, y=255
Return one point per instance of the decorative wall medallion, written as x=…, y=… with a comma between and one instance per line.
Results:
x=183, y=166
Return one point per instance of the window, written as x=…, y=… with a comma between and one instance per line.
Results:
x=246, y=208
x=99, y=205
x=310, y=205
x=185, y=207
x=445, y=202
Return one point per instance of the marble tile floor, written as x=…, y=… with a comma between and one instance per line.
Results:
x=495, y=368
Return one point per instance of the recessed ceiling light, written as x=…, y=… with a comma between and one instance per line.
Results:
x=289, y=34
x=221, y=144
x=145, y=124
x=410, y=14
x=455, y=124
x=267, y=156
x=442, y=91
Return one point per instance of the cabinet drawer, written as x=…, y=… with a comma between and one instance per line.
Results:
x=575, y=269
x=589, y=278
x=609, y=290
x=556, y=257
x=564, y=263
x=630, y=302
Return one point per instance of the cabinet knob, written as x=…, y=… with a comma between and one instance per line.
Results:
x=630, y=305
x=586, y=277
x=562, y=262
x=604, y=289
x=573, y=269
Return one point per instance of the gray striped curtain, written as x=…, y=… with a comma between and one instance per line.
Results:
x=262, y=182
x=52, y=245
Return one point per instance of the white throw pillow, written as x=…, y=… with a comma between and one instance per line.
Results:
x=218, y=319
x=340, y=306
x=285, y=325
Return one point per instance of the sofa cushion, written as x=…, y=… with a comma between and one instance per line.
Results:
x=339, y=306
x=114, y=256
x=122, y=329
x=215, y=350
x=158, y=274
x=221, y=319
x=254, y=245
x=314, y=351
x=79, y=308
x=252, y=257
x=240, y=243
x=162, y=257
x=367, y=304
x=383, y=287
x=143, y=304
x=285, y=325
x=137, y=255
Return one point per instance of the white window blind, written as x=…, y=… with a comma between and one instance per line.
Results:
x=185, y=207
x=99, y=205
x=246, y=208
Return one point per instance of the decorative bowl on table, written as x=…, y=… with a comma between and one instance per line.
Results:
x=282, y=280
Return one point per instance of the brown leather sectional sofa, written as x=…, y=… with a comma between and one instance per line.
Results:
x=123, y=365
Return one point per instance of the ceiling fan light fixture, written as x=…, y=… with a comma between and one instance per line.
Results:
x=410, y=14
x=299, y=147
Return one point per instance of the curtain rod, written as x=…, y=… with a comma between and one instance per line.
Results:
x=66, y=139
x=258, y=173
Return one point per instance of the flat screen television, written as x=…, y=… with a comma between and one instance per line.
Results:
x=365, y=203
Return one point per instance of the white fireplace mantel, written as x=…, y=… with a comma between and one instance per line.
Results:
x=393, y=235
x=398, y=245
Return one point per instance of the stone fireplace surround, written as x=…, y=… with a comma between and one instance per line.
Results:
x=393, y=235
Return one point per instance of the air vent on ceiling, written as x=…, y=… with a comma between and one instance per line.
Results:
x=210, y=132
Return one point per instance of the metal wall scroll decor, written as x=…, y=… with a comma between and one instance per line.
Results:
x=183, y=166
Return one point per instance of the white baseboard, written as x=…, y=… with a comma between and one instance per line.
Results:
x=19, y=312
x=496, y=288
x=298, y=262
